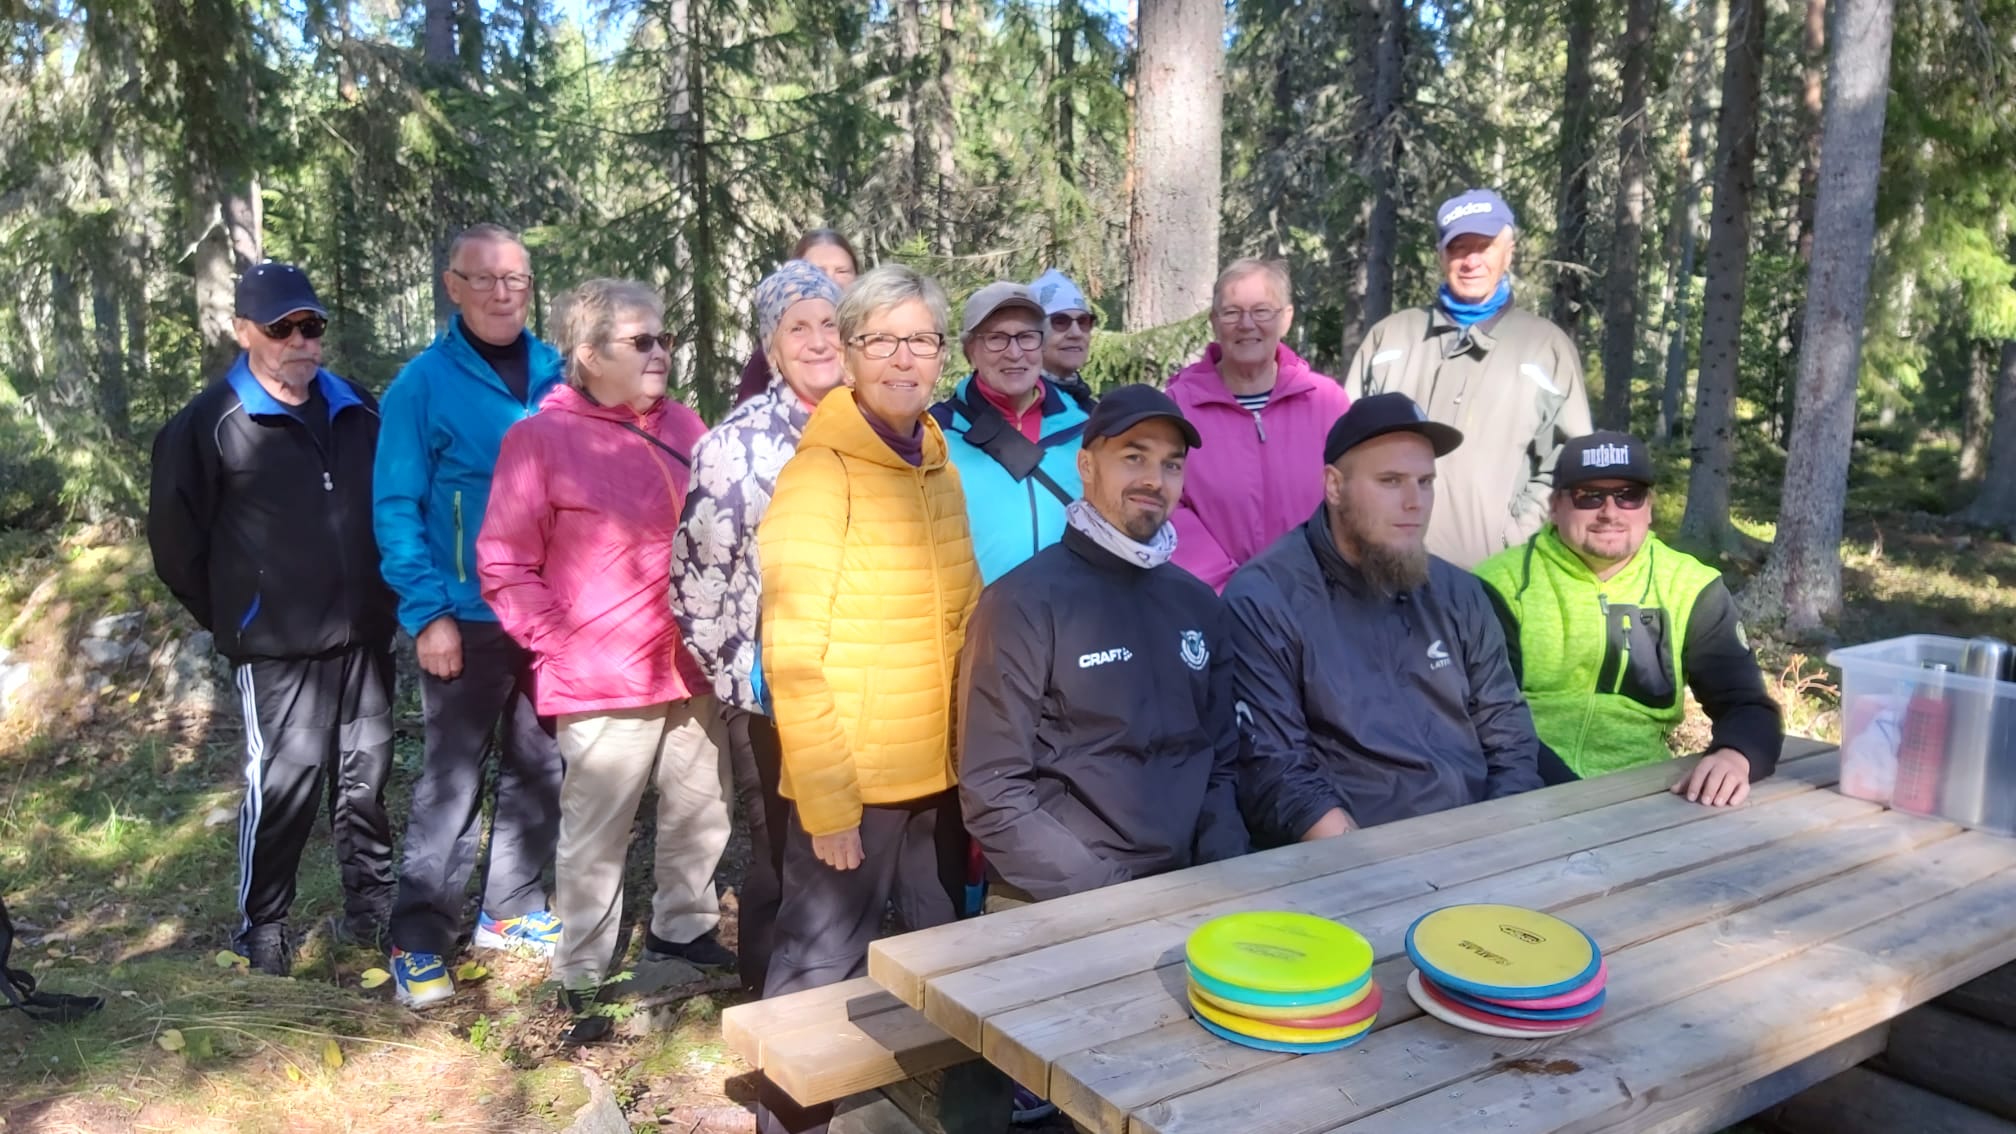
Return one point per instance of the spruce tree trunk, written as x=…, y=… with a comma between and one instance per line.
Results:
x=1706, y=521
x=1995, y=505
x=1977, y=413
x=1577, y=153
x=1687, y=206
x=1379, y=84
x=1172, y=239
x=1622, y=284
x=1804, y=571
x=943, y=119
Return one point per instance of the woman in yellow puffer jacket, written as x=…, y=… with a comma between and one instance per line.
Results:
x=868, y=581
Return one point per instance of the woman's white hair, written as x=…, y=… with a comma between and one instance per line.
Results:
x=890, y=285
x=1276, y=272
x=588, y=314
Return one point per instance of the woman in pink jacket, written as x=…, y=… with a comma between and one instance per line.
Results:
x=1263, y=415
x=575, y=556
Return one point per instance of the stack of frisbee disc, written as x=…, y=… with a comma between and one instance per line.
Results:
x=1505, y=971
x=1289, y=982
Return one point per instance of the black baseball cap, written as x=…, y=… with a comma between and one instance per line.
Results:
x=271, y=291
x=1128, y=406
x=1381, y=414
x=1603, y=455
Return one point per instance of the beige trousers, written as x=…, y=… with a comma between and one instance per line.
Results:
x=681, y=749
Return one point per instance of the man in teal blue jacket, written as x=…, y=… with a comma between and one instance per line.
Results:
x=443, y=420
x=1011, y=431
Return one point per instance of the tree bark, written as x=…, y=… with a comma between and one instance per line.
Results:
x=1995, y=505
x=1977, y=413
x=1577, y=153
x=1804, y=570
x=1380, y=86
x=1706, y=520
x=1621, y=303
x=1172, y=240
x=1673, y=391
x=943, y=138
x=442, y=65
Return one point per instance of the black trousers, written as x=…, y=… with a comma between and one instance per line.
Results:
x=757, y=761
x=493, y=693
x=913, y=855
x=308, y=719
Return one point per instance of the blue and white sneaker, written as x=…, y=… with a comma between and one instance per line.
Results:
x=420, y=979
x=537, y=933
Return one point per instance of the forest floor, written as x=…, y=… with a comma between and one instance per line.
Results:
x=117, y=857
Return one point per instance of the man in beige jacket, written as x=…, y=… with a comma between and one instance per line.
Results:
x=1509, y=380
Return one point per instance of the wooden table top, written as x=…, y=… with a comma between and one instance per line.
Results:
x=1740, y=942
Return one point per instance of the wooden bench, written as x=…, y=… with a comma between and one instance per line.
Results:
x=824, y=1044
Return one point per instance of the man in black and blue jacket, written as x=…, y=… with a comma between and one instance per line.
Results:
x=259, y=518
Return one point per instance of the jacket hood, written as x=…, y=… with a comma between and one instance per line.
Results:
x=839, y=425
x=1200, y=383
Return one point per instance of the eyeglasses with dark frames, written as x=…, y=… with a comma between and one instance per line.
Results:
x=1630, y=497
x=280, y=330
x=924, y=344
x=514, y=281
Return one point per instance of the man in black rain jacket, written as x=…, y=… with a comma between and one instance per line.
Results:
x=1372, y=676
x=1098, y=741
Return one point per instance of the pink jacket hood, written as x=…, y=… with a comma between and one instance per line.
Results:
x=1256, y=475
x=575, y=555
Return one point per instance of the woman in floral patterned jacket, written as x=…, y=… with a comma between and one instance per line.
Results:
x=717, y=580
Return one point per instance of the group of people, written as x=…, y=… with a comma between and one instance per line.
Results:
x=950, y=655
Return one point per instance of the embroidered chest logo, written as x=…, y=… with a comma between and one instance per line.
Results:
x=1195, y=652
x=1438, y=655
x=1102, y=657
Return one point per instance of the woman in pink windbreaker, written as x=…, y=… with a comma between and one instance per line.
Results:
x=575, y=556
x=1263, y=414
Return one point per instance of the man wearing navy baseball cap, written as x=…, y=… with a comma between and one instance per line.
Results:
x=259, y=518
x=1371, y=676
x=1606, y=624
x=1509, y=379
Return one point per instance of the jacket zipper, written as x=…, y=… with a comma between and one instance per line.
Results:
x=1589, y=710
x=937, y=584
x=461, y=566
x=1259, y=427
x=1035, y=523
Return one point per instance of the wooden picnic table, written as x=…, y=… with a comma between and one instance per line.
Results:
x=1741, y=943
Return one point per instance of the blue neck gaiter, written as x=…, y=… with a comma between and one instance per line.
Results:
x=1471, y=314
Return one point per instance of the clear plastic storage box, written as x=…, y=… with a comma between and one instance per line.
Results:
x=1922, y=736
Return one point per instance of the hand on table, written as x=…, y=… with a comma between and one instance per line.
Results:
x=1333, y=824
x=1721, y=779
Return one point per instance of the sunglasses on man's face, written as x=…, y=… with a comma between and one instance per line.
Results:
x=1061, y=322
x=1630, y=497
x=310, y=326
x=644, y=342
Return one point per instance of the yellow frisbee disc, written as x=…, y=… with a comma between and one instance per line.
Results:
x=1502, y=951
x=1279, y=952
x=1272, y=1032
x=1275, y=1012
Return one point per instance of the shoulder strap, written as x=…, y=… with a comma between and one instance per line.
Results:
x=990, y=433
x=648, y=436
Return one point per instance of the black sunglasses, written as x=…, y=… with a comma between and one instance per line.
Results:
x=310, y=326
x=643, y=342
x=1061, y=322
x=1631, y=497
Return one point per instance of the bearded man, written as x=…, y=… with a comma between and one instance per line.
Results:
x=1371, y=677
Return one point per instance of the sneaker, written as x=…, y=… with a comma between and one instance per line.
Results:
x=1026, y=1107
x=537, y=932
x=266, y=948
x=420, y=979
x=589, y=1026
x=703, y=952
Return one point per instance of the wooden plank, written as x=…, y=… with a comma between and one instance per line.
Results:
x=1776, y=1088
x=1026, y=1041
x=744, y=1026
x=1991, y=998
x=904, y=964
x=1311, y=1094
x=960, y=1001
x=1958, y=1056
x=1654, y=1063
x=1126, y=1076
x=1860, y=1099
x=839, y=1057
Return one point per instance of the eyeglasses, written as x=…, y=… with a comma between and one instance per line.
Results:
x=997, y=341
x=1061, y=322
x=644, y=342
x=924, y=344
x=516, y=281
x=1631, y=497
x=310, y=326
x=1261, y=316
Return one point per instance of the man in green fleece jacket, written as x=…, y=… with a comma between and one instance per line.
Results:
x=1604, y=624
